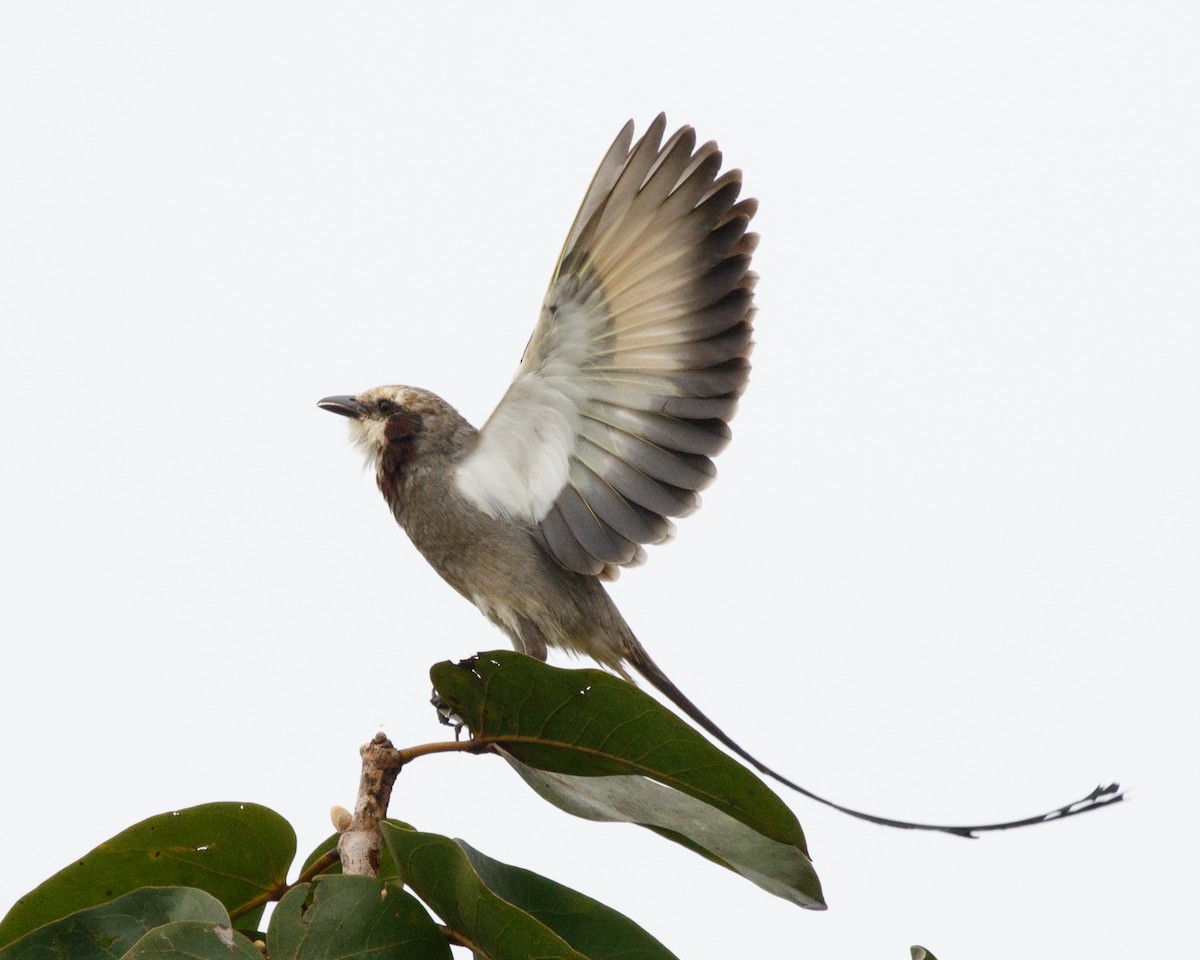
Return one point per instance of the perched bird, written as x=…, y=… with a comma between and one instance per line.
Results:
x=608, y=430
x=620, y=402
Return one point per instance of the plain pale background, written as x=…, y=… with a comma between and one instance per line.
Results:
x=950, y=568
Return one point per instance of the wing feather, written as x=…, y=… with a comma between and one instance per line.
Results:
x=634, y=369
x=595, y=536
x=628, y=519
x=565, y=547
x=660, y=498
x=704, y=437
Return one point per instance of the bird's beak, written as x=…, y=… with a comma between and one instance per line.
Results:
x=346, y=406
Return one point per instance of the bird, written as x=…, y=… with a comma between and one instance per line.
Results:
x=608, y=431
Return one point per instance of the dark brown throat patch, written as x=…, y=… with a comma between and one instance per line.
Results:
x=401, y=431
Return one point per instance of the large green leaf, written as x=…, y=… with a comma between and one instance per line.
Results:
x=106, y=931
x=576, y=725
x=438, y=870
x=235, y=851
x=920, y=953
x=192, y=940
x=586, y=924
x=340, y=917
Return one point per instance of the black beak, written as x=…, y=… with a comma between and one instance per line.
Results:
x=346, y=406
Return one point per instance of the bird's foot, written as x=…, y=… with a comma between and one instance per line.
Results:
x=446, y=716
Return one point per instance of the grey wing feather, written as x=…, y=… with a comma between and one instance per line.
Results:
x=629, y=380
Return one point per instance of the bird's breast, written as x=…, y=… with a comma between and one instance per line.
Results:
x=500, y=566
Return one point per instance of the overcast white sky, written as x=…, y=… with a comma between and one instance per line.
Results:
x=950, y=570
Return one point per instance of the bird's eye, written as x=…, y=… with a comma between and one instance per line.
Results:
x=387, y=407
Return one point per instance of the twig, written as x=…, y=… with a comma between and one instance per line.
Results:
x=456, y=939
x=318, y=866
x=476, y=745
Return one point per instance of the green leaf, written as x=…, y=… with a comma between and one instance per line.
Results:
x=234, y=851
x=438, y=870
x=106, y=931
x=920, y=953
x=779, y=868
x=193, y=940
x=360, y=917
x=587, y=925
x=564, y=728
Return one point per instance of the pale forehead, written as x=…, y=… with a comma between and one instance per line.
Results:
x=396, y=393
x=413, y=399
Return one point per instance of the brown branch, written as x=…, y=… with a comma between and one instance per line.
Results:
x=361, y=843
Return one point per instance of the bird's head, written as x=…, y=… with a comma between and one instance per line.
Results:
x=393, y=425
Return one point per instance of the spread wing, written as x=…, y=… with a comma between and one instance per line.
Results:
x=627, y=385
